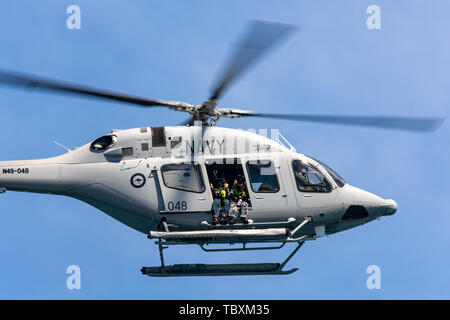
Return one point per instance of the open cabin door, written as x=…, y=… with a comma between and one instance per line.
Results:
x=184, y=189
x=226, y=170
x=262, y=181
x=222, y=171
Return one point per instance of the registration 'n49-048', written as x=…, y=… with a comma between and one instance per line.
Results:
x=18, y=171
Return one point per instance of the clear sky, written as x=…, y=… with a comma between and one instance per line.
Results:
x=173, y=50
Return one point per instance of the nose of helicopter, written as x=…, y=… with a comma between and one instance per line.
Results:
x=374, y=204
x=388, y=207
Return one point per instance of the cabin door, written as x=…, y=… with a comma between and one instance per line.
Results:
x=184, y=189
x=266, y=186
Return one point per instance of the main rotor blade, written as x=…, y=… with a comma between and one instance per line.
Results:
x=27, y=81
x=400, y=123
x=260, y=37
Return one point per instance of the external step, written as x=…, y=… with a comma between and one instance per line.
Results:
x=251, y=224
x=221, y=234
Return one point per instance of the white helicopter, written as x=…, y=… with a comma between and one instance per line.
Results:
x=158, y=180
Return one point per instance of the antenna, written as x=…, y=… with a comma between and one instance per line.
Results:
x=62, y=146
x=291, y=147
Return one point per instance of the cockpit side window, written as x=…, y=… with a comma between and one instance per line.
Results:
x=103, y=143
x=186, y=177
x=309, y=179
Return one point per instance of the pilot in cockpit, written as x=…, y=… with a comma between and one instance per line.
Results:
x=303, y=181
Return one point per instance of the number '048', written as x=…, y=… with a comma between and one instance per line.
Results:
x=177, y=206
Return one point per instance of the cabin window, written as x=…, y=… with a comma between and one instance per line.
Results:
x=103, y=143
x=185, y=177
x=263, y=177
x=309, y=179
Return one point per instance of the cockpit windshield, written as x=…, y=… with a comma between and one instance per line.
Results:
x=336, y=177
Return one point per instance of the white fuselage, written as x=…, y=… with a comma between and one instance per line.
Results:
x=126, y=180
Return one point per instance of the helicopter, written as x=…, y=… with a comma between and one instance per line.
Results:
x=161, y=181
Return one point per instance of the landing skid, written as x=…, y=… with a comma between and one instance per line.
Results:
x=239, y=269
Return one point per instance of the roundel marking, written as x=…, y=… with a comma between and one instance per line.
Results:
x=137, y=180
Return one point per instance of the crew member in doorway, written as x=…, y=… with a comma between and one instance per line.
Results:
x=221, y=203
x=239, y=204
x=216, y=203
x=225, y=197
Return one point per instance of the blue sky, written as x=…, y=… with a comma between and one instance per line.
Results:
x=173, y=50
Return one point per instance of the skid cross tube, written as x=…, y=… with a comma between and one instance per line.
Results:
x=301, y=225
x=244, y=248
x=300, y=244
